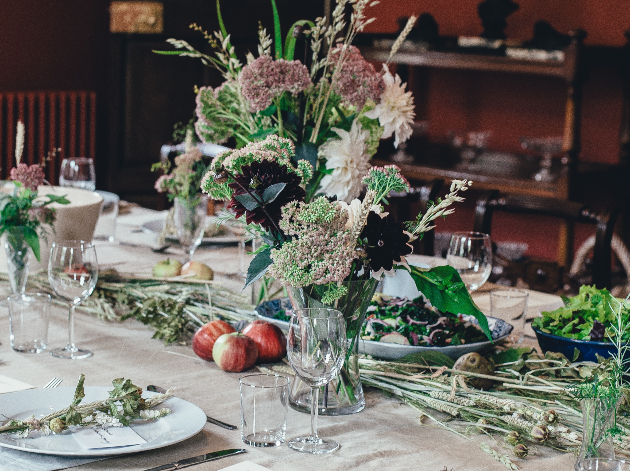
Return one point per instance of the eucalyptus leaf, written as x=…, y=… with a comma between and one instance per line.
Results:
x=272, y=192
x=258, y=266
x=444, y=288
x=248, y=201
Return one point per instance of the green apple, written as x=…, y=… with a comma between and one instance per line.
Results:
x=167, y=268
x=201, y=271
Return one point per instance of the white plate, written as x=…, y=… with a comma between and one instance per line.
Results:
x=155, y=227
x=185, y=421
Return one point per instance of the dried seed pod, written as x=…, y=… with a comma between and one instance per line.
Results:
x=513, y=438
x=475, y=363
x=550, y=416
x=57, y=425
x=540, y=433
x=481, y=423
x=521, y=450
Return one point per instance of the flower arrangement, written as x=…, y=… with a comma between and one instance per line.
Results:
x=333, y=105
x=124, y=404
x=22, y=212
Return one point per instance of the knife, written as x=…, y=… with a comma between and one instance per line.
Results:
x=217, y=455
x=158, y=389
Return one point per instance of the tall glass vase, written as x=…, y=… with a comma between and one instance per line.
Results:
x=190, y=222
x=344, y=394
x=17, y=251
x=598, y=418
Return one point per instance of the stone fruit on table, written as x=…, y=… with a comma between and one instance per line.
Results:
x=475, y=363
x=235, y=352
x=205, y=337
x=167, y=268
x=271, y=342
x=200, y=270
x=395, y=337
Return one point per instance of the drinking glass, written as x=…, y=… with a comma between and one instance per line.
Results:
x=72, y=274
x=470, y=253
x=316, y=347
x=190, y=222
x=510, y=305
x=548, y=147
x=78, y=172
x=602, y=464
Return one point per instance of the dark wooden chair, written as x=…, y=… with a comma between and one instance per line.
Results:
x=209, y=150
x=569, y=212
x=406, y=206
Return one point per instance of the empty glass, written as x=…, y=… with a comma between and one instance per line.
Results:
x=28, y=321
x=316, y=347
x=72, y=274
x=78, y=172
x=470, y=253
x=510, y=305
x=264, y=407
x=190, y=222
x=602, y=464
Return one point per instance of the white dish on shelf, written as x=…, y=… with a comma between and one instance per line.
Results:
x=185, y=421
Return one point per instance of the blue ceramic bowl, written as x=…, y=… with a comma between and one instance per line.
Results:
x=588, y=349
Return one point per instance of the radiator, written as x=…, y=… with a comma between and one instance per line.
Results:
x=64, y=120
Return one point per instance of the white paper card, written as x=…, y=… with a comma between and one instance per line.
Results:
x=245, y=466
x=110, y=437
x=8, y=385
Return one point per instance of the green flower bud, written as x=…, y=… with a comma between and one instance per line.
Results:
x=550, y=417
x=57, y=425
x=521, y=450
x=540, y=433
x=513, y=438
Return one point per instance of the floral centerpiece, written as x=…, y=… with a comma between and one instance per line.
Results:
x=23, y=215
x=181, y=183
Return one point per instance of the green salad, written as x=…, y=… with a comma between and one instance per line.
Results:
x=415, y=322
x=587, y=316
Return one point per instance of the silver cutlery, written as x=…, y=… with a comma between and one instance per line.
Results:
x=198, y=459
x=152, y=387
x=53, y=383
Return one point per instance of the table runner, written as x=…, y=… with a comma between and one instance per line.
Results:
x=387, y=435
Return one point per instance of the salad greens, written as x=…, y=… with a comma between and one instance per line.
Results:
x=415, y=322
x=588, y=316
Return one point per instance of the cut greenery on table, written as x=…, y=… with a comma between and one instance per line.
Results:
x=414, y=322
x=175, y=310
x=124, y=404
x=588, y=316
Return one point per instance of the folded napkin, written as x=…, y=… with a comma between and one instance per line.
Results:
x=8, y=385
x=22, y=461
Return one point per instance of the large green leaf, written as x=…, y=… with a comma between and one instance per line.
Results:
x=248, y=201
x=444, y=288
x=32, y=239
x=272, y=192
x=258, y=266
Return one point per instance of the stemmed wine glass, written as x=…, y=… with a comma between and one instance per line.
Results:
x=72, y=274
x=316, y=347
x=470, y=253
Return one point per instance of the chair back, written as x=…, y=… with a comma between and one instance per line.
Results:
x=569, y=212
x=207, y=149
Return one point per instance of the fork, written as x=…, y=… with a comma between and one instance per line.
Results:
x=53, y=383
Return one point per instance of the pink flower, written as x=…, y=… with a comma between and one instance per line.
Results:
x=265, y=78
x=160, y=184
x=30, y=177
x=357, y=80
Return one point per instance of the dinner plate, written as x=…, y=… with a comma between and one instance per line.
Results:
x=185, y=420
x=155, y=227
x=391, y=351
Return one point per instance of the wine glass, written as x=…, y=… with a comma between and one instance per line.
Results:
x=72, y=274
x=316, y=346
x=78, y=172
x=470, y=253
x=548, y=147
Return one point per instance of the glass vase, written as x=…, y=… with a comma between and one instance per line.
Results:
x=598, y=418
x=17, y=251
x=344, y=394
x=190, y=222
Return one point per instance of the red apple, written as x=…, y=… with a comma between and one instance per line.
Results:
x=235, y=352
x=205, y=337
x=271, y=342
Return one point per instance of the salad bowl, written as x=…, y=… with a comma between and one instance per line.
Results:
x=278, y=312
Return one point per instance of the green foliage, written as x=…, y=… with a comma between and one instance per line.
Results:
x=511, y=355
x=289, y=43
x=276, y=29
x=430, y=358
x=258, y=266
x=444, y=288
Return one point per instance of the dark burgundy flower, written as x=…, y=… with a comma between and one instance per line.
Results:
x=257, y=177
x=387, y=241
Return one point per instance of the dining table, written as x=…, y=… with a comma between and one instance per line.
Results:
x=386, y=435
